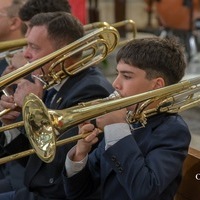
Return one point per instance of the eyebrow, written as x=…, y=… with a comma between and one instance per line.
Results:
x=33, y=44
x=125, y=72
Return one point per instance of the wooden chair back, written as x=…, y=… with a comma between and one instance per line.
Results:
x=189, y=188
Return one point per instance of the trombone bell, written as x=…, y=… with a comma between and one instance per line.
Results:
x=43, y=125
x=40, y=131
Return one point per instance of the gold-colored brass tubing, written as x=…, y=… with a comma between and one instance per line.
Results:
x=42, y=125
x=32, y=151
x=105, y=32
x=5, y=111
x=114, y=95
x=130, y=26
x=11, y=126
x=70, y=49
x=174, y=98
x=13, y=44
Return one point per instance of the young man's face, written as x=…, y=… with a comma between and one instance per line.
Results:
x=132, y=80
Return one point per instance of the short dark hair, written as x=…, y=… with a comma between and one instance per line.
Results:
x=33, y=7
x=158, y=57
x=62, y=27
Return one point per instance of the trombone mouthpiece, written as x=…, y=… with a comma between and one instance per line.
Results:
x=114, y=95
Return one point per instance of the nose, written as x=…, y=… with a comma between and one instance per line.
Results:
x=27, y=53
x=116, y=83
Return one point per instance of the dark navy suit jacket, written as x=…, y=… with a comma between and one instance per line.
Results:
x=45, y=180
x=12, y=172
x=143, y=166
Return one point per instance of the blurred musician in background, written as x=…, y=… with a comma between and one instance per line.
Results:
x=11, y=26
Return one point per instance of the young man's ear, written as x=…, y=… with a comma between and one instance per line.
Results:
x=159, y=83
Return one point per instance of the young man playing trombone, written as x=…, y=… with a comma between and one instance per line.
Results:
x=48, y=32
x=134, y=162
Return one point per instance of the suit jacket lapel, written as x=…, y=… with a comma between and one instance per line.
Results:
x=56, y=102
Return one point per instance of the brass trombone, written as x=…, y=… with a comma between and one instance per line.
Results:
x=43, y=125
x=9, y=47
x=95, y=46
x=129, y=27
x=100, y=42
